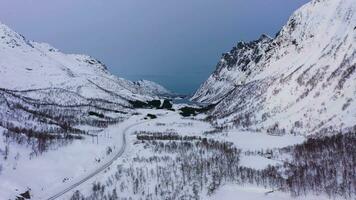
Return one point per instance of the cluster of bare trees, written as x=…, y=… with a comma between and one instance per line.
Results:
x=178, y=167
x=323, y=165
x=181, y=168
x=144, y=135
x=38, y=123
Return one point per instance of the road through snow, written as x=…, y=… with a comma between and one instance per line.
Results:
x=100, y=169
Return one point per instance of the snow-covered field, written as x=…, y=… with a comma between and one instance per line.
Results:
x=66, y=165
x=60, y=167
x=56, y=170
x=259, y=140
x=169, y=121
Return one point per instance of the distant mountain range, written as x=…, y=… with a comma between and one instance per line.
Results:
x=302, y=81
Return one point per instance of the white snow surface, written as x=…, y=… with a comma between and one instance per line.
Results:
x=253, y=141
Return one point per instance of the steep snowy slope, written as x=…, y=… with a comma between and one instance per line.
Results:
x=302, y=81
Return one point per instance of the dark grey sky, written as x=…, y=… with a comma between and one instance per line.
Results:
x=174, y=42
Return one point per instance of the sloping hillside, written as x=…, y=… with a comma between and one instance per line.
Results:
x=60, y=114
x=302, y=81
x=45, y=93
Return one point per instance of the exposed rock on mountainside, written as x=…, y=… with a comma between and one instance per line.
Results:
x=232, y=70
x=302, y=81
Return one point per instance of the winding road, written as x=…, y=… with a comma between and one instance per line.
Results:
x=102, y=168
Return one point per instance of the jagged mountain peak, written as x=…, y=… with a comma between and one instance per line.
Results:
x=265, y=37
x=262, y=39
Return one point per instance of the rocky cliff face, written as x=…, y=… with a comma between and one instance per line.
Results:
x=302, y=81
x=233, y=69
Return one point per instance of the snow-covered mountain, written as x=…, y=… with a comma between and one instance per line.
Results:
x=43, y=90
x=28, y=65
x=302, y=81
x=153, y=88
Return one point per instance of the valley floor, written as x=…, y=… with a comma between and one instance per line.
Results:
x=155, y=154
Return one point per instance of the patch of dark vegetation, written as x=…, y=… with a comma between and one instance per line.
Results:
x=164, y=136
x=100, y=115
x=23, y=196
x=152, y=104
x=188, y=111
x=138, y=104
x=151, y=116
x=167, y=104
x=193, y=111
